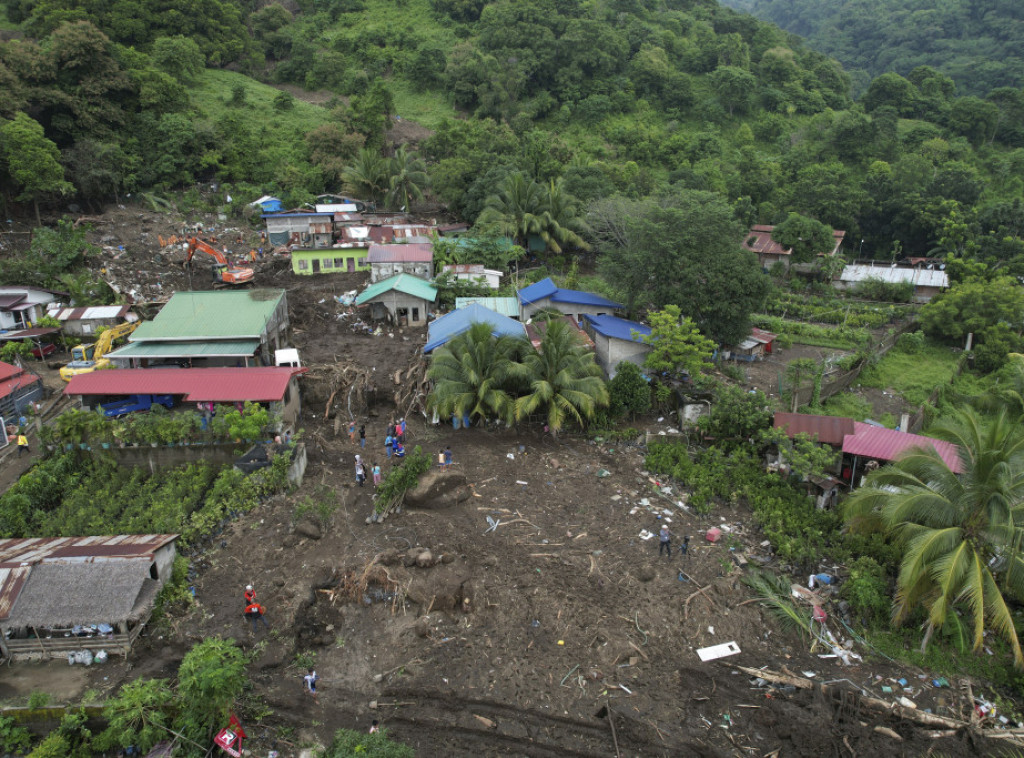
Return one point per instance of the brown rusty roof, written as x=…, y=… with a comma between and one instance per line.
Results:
x=827, y=429
x=11, y=582
x=19, y=552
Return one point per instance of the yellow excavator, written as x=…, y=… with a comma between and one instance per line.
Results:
x=88, y=358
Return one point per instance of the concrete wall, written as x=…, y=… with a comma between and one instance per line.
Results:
x=611, y=352
x=164, y=559
x=86, y=327
x=392, y=304
x=381, y=271
x=570, y=309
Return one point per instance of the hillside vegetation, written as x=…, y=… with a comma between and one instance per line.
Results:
x=977, y=43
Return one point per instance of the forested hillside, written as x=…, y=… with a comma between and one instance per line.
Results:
x=977, y=43
x=551, y=118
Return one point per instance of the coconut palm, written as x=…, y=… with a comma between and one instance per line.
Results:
x=470, y=375
x=563, y=222
x=516, y=210
x=961, y=535
x=367, y=176
x=408, y=178
x=564, y=382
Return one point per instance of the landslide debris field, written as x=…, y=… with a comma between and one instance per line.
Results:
x=558, y=633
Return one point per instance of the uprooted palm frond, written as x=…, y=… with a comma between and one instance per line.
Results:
x=774, y=592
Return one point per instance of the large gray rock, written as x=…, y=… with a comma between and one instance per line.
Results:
x=438, y=489
x=308, y=528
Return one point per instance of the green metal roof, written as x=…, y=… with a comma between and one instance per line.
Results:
x=220, y=348
x=506, y=306
x=211, y=315
x=407, y=283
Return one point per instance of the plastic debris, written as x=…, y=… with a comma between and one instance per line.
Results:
x=602, y=473
x=713, y=534
x=646, y=535
x=718, y=651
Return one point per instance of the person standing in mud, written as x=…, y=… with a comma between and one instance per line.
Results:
x=362, y=436
x=360, y=472
x=665, y=541
x=352, y=430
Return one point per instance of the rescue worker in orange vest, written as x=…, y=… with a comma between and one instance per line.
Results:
x=254, y=612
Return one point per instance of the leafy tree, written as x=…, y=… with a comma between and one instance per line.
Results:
x=629, y=391
x=563, y=379
x=371, y=113
x=803, y=453
x=805, y=236
x=685, y=253
x=139, y=714
x=973, y=306
x=961, y=535
x=737, y=413
x=734, y=87
x=32, y=160
x=180, y=57
x=15, y=351
x=995, y=344
x=211, y=678
x=490, y=252
x=677, y=346
x=331, y=150
x=407, y=179
x=471, y=376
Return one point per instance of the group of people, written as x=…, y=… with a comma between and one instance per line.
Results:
x=665, y=543
x=361, y=472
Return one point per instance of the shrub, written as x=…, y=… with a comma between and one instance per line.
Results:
x=629, y=393
x=400, y=479
x=348, y=742
x=867, y=591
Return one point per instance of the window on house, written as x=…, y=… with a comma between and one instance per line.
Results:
x=303, y=265
x=339, y=263
x=415, y=314
x=328, y=263
x=362, y=261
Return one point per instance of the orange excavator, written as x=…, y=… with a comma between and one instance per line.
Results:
x=223, y=272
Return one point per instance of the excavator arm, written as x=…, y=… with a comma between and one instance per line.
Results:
x=223, y=271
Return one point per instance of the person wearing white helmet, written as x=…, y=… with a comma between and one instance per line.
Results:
x=250, y=594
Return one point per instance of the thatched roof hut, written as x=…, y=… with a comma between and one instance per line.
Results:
x=62, y=595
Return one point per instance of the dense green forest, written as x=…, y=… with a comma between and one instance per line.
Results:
x=557, y=118
x=977, y=43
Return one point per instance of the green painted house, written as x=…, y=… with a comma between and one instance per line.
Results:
x=330, y=261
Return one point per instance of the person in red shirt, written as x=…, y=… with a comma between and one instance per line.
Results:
x=250, y=594
x=254, y=612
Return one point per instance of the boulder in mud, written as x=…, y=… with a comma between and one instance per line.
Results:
x=438, y=489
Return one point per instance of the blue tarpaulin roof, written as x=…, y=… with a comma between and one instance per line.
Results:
x=546, y=288
x=457, y=322
x=618, y=328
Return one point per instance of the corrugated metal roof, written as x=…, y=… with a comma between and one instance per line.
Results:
x=12, y=579
x=7, y=370
x=35, y=331
x=407, y=283
x=888, y=445
x=17, y=382
x=535, y=332
x=94, y=312
x=506, y=306
x=759, y=240
x=459, y=321
x=413, y=252
x=618, y=328
x=6, y=301
x=203, y=315
x=919, y=277
x=212, y=349
x=546, y=288
x=760, y=335
x=30, y=550
x=830, y=430
x=262, y=384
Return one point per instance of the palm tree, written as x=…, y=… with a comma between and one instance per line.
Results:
x=367, y=176
x=961, y=535
x=516, y=210
x=408, y=178
x=562, y=219
x=564, y=382
x=470, y=375
x=1007, y=394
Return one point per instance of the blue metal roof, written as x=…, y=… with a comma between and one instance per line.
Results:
x=457, y=322
x=618, y=328
x=546, y=288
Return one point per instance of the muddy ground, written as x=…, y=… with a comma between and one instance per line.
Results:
x=560, y=632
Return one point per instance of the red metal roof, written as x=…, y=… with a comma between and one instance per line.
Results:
x=11, y=582
x=888, y=445
x=216, y=385
x=17, y=382
x=829, y=430
x=412, y=252
x=765, y=338
x=7, y=370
